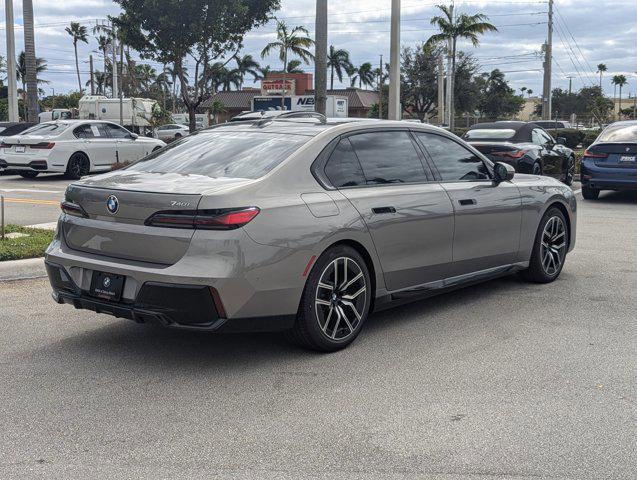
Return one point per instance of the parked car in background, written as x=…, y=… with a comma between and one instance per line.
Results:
x=302, y=225
x=73, y=147
x=552, y=124
x=171, y=131
x=525, y=146
x=610, y=162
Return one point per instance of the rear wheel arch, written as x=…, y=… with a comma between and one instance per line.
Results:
x=562, y=208
x=369, y=262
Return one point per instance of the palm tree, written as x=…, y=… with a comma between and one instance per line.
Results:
x=351, y=70
x=451, y=29
x=601, y=68
x=619, y=81
x=31, y=108
x=264, y=72
x=146, y=75
x=337, y=62
x=21, y=73
x=103, y=44
x=529, y=92
x=247, y=65
x=293, y=41
x=100, y=82
x=364, y=75
x=79, y=34
x=293, y=66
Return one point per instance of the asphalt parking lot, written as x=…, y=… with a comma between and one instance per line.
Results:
x=501, y=380
x=32, y=201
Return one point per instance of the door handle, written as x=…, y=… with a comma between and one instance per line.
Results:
x=381, y=210
x=468, y=201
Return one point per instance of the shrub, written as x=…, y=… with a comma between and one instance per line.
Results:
x=589, y=138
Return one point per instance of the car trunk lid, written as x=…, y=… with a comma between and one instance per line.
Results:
x=115, y=209
x=613, y=155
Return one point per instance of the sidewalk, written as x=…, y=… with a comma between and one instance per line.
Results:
x=22, y=269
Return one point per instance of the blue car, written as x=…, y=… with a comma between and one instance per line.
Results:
x=610, y=163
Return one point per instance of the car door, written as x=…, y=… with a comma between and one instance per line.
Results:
x=409, y=216
x=127, y=149
x=100, y=148
x=487, y=216
x=552, y=159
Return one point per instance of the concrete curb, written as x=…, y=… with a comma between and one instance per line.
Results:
x=22, y=269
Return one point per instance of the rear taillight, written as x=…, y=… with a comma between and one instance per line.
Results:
x=589, y=154
x=225, y=219
x=73, y=209
x=510, y=153
x=43, y=145
x=5, y=145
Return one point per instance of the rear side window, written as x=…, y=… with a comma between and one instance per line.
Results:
x=223, y=154
x=453, y=161
x=343, y=168
x=115, y=131
x=83, y=131
x=388, y=157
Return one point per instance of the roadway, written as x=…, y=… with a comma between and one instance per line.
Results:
x=501, y=380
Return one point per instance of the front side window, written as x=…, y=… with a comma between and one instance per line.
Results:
x=453, y=161
x=343, y=168
x=116, y=131
x=388, y=157
x=223, y=154
x=536, y=137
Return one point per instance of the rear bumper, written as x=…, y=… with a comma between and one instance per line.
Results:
x=608, y=178
x=185, y=307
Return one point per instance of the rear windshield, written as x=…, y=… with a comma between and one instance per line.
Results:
x=46, y=129
x=223, y=154
x=490, y=134
x=619, y=133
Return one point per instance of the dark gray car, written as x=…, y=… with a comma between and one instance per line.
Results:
x=303, y=226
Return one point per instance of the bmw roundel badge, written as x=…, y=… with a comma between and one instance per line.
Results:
x=112, y=204
x=107, y=282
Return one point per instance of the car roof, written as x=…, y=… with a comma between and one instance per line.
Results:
x=313, y=127
x=507, y=124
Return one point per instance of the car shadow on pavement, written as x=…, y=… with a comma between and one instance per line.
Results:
x=154, y=347
x=626, y=196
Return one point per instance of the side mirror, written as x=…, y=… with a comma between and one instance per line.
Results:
x=503, y=172
x=561, y=140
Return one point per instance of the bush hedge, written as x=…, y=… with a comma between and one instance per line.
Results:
x=573, y=137
x=590, y=138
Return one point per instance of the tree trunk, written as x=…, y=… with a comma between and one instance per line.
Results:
x=332, y=78
x=77, y=66
x=30, y=63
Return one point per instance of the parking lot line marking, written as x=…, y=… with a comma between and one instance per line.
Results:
x=32, y=201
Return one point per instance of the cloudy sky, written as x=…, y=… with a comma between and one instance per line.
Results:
x=362, y=27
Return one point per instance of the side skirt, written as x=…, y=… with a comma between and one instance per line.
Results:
x=426, y=290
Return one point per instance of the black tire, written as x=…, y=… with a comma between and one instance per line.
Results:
x=538, y=271
x=590, y=193
x=178, y=136
x=536, y=169
x=78, y=166
x=335, y=333
x=570, y=172
x=156, y=148
x=28, y=174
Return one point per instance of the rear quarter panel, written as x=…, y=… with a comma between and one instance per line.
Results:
x=538, y=195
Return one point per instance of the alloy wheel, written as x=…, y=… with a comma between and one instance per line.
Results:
x=553, y=245
x=340, y=298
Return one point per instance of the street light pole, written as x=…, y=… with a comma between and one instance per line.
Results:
x=393, y=111
x=12, y=87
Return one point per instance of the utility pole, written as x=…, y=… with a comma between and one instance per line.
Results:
x=121, y=90
x=448, y=111
x=548, y=60
x=114, y=93
x=570, y=85
x=320, y=62
x=393, y=109
x=90, y=66
x=12, y=87
x=29, y=60
x=441, y=91
x=380, y=89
